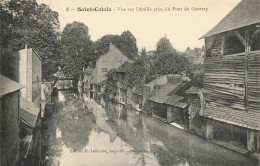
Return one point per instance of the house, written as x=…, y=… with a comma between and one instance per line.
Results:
x=155, y=85
x=114, y=58
x=168, y=103
x=9, y=121
x=151, y=53
x=195, y=55
x=231, y=79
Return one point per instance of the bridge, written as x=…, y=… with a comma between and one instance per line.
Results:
x=62, y=86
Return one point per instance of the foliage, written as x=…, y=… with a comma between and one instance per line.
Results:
x=170, y=63
x=143, y=52
x=28, y=23
x=126, y=43
x=110, y=90
x=75, y=48
x=164, y=45
x=136, y=74
x=195, y=73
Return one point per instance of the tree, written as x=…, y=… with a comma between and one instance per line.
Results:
x=143, y=51
x=76, y=46
x=170, y=63
x=28, y=24
x=164, y=45
x=126, y=43
x=167, y=60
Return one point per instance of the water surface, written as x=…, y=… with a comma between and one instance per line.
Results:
x=87, y=132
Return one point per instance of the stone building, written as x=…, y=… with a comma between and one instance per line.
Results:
x=113, y=59
x=195, y=55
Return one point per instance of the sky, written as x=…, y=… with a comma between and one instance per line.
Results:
x=183, y=28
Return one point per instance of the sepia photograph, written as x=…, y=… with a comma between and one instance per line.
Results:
x=129, y=83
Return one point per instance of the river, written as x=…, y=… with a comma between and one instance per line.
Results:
x=87, y=132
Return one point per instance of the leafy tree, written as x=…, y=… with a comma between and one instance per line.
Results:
x=126, y=43
x=167, y=60
x=170, y=63
x=164, y=45
x=143, y=51
x=28, y=23
x=76, y=46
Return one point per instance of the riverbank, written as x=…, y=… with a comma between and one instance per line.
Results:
x=224, y=144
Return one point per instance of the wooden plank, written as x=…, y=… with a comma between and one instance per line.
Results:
x=253, y=36
x=240, y=38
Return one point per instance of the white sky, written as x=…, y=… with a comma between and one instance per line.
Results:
x=182, y=28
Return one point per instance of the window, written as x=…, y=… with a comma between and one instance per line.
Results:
x=104, y=69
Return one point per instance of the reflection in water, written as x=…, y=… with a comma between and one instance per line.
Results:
x=88, y=132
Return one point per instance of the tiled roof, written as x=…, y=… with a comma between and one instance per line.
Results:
x=162, y=80
x=29, y=112
x=247, y=12
x=175, y=101
x=7, y=85
x=166, y=95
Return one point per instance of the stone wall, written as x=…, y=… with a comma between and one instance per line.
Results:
x=197, y=123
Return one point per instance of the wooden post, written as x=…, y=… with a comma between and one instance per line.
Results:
x=223, y=45
x=209, y=129
x=169, y=113
x=247, y=51
x=258, y=142
x=250, y=140
x=246, y=42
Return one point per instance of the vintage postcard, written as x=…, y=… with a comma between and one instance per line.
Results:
x=130, y=82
